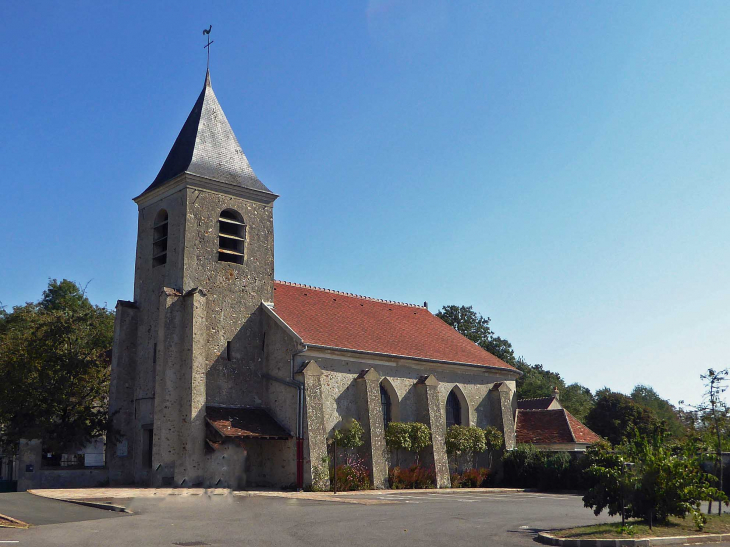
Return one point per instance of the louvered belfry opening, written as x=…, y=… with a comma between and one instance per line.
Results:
x=159, y=239
x=231, y=237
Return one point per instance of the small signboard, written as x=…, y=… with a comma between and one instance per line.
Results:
x=122, y=448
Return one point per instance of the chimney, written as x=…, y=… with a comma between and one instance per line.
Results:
x=556, y=393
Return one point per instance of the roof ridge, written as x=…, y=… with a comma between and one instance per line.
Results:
x=541, y=409
x=570, y=428
x=537, y=398
x=332, y=291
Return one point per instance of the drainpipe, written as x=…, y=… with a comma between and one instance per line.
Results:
x=300, y=416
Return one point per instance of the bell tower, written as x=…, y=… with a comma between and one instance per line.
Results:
x=193, y=335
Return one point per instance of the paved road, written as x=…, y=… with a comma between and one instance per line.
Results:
x=39, y=511
x=411, y=519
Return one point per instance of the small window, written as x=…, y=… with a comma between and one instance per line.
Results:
x=386, y=405
x=231, y=237
x=159, y=239
x=453, y=409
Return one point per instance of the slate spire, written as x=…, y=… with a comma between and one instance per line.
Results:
x=207, y=147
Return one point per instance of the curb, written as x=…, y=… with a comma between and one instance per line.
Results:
x=549, y=539
x=94, y=504
x=15, y=522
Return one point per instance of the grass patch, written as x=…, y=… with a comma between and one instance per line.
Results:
x=638, y=529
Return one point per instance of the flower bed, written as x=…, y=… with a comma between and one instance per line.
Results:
x=471, y=478
x=413, y=477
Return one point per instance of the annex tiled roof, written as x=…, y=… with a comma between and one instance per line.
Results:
x=207, y=146
x=551, y=427
x=251, y=423
x=333, y=319
x=538, y=403
x=581, y=433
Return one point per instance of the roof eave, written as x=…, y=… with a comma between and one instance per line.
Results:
x=515, y=372
x=283, y=324
x=191, y=180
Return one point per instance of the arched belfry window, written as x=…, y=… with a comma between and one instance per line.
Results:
x=159, y=239
x=453, y=409
x=231, y=237
x=386, y=405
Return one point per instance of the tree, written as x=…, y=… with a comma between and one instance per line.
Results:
x=714, y=410
x=465, y=440
x=644, y=478
x=578, y=400
x=663, y=409
x=536, y=381
x=494, y=440
x=615, y=416
x=476, y=328
x=54, y=369
x=420, y=437
x=410, y=436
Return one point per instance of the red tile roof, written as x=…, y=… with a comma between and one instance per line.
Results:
x=332, y=319
x=550, y=427
x=538, y=403
x=251, y=423
x=581, y=433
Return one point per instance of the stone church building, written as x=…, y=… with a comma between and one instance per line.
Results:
x=222, y=375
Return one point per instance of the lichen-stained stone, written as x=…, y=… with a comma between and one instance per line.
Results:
x=501, y=402
x=120, y=447
x=371, y=411
x=431, y=413
x=315, y=439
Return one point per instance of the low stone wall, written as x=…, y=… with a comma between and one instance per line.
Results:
x=31, y=473
x=64, y=478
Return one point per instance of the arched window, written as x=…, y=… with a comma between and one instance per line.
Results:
x=231, y=237
x=159, y=239
x=453, y=409
x=386, y=405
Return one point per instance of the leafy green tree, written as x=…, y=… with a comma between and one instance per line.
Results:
x=648, y=480
x=476, y=328
x=663, y=409
x=408, y=436
x=465, y=440
x=397, y=438
x=536, y=381
x=349, y=435
x=420, y=437
x=54, y=369
x=494, y=440
x=615, y=416
x=578, y=400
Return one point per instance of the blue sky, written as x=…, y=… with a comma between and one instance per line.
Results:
x=561, y=166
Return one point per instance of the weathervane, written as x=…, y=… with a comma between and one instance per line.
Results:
x=207, y=33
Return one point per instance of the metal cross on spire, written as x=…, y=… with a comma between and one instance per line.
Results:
x=207, y=33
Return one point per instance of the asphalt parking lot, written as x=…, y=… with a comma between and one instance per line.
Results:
x=406, y=519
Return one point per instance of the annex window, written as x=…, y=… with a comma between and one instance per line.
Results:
x=231, y=237
x=159, y=239
x=453, y=409
x=386, y=405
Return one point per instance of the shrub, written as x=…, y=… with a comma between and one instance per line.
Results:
x=465, y=440
x=494, y=440
x=471, y=478
x=411, y=436
x=648, y=479
x=352, y=475
x=528, y=467
x=349, y=435
x=413, y=477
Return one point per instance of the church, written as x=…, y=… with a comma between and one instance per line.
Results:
x=224, y=376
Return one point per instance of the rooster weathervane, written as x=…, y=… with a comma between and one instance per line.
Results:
x=206, y=32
